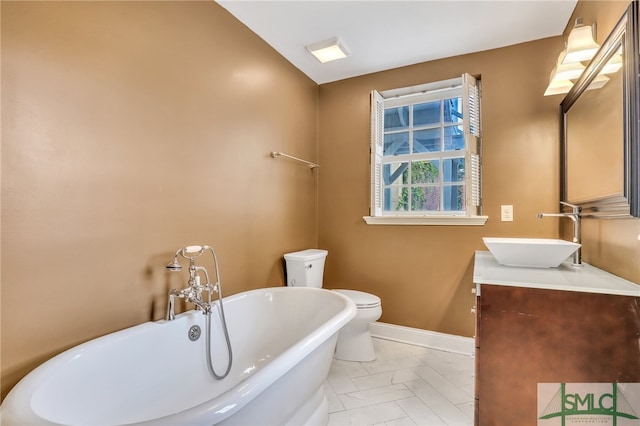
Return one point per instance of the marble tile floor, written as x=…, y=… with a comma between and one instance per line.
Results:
x=405, y=385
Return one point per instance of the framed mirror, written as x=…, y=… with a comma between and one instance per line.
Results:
x=600, y=157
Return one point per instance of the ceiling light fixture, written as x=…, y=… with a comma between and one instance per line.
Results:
x=329, y=50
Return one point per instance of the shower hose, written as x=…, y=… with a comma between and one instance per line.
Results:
x=226, y=337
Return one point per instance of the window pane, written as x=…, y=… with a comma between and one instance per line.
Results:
x=453, y=170
x=396, y=144
x=396, y=118
x=396, y=198
x=453, y=197
x=426, y=140
x=395, y=173
x=453, y=110
x=425, y=171
x=427, y=113
x=425, y=198
x=453, y=138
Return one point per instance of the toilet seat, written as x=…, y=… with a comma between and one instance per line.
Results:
x=361, y=299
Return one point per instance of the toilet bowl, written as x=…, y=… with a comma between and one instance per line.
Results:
x=305, y=268
x=354, y=341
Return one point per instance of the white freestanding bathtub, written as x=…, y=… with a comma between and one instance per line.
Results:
x=282, y=338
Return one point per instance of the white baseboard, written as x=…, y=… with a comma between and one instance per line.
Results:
x=425, y=338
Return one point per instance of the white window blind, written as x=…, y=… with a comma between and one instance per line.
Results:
x=377, y=133
x=471, y=118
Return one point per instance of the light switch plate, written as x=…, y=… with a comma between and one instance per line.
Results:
x=506, y=213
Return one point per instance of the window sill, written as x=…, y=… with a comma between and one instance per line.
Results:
x=426, y=220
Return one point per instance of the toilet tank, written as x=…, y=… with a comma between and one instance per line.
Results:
x=305, y=268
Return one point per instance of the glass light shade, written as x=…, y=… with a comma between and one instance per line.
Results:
x=329, y=50
x=614, y=64
x=568, y=71
x=556, y=86
x=580, y=46
x=598, y=82
x=559, y=79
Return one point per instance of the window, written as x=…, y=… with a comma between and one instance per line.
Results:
x=425, y=154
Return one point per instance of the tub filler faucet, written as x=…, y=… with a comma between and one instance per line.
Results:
x=575, y=215
x=193, y=293
x=194, y=290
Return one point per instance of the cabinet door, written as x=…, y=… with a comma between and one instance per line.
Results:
x=529, y=336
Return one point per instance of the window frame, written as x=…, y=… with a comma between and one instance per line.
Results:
x=468, y=89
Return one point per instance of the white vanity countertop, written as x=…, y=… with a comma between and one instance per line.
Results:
x=586, y=279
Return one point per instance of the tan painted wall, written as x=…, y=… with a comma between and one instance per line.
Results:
x=130, y=129
x=423, y=274
x=612, y=245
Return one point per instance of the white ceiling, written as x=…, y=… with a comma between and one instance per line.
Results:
x=382, y=35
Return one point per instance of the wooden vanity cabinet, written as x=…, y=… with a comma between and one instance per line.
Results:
x=527, y=336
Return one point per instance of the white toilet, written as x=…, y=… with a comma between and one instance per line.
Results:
x=305, y=269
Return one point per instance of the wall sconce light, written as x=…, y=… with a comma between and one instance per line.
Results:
x=328, y=50
x=580, y=45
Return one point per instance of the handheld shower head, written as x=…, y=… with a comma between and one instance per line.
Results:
x=197, y=250
x=174, y=265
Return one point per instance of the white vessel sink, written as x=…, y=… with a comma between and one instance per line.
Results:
x=530, y=252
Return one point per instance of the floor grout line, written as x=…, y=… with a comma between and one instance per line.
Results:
x=405, y=385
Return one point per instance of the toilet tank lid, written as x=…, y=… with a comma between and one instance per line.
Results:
x=360, y=298
x=306, y=255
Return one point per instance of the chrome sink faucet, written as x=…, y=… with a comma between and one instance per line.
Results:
x=575, y=215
